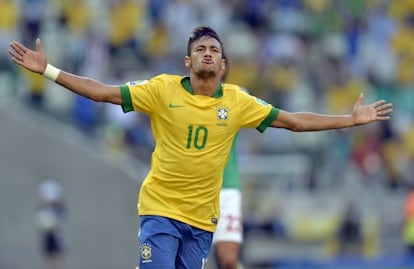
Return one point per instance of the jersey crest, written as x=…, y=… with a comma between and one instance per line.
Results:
x=146, y=253
x=222, y=112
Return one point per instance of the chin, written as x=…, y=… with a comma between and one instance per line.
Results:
x=206, y=74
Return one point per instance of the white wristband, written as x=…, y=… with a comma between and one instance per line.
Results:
x=51, y=72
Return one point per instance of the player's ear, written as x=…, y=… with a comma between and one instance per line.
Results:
x=187, y=61
x=223, y=65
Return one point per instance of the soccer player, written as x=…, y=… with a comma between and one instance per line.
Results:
x=228, y=237
x=194, y=120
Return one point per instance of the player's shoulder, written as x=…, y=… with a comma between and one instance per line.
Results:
x=168, y=77
x=136, y=82
x=161, y=78
x=234, y=89
x=231, y=87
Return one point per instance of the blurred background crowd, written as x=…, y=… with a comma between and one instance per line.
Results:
x=313, y=55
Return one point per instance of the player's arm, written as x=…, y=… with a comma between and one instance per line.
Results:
x=306, y=121
x=90, y=88
x=36, y=61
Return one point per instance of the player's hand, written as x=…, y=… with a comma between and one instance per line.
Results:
x=377, y=111
x=34, y=61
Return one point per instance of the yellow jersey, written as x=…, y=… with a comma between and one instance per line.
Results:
x=193, y=137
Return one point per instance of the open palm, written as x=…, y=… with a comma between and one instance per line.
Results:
x=34, y=61
x=377, y=111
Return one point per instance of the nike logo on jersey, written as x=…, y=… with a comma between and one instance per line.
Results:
x=171, y=105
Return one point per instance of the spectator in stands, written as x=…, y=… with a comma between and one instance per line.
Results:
x=408, y=225
x=9, y=21
x=123, y=44
x=349, y=233
x=50, y=219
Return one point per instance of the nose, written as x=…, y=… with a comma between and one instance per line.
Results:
x=208, y=53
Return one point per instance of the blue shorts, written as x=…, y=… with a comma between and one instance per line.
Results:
x=170, y=244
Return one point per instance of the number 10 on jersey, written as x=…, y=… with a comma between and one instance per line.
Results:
x=197, y=137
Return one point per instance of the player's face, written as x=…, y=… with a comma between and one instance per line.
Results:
x=206, y=58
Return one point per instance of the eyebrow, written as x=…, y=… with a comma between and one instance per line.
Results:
x=204, y=46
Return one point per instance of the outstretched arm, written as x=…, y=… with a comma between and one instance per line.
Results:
x=36, y=61
x=306, y=121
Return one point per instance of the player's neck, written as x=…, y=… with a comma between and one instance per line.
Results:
x=204, y=86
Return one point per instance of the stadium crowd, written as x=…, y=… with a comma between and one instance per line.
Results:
x=297, y=54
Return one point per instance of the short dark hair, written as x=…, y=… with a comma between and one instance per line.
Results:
x=203, y=32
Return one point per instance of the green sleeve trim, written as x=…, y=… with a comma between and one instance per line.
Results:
x=274, y=112
x=126, y=99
